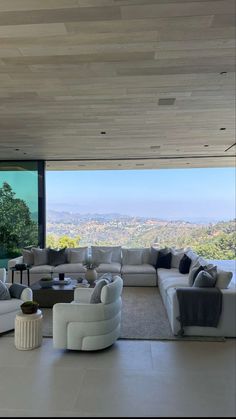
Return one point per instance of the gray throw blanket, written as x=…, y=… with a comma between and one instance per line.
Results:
x=199, y=307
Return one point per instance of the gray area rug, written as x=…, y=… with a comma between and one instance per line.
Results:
x=143, y=317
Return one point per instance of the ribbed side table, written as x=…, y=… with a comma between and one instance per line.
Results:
x=28, y=330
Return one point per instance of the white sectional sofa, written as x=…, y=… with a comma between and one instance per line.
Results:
x=138, y=268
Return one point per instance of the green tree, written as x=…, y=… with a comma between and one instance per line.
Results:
x=59, y=242
x=16, y=227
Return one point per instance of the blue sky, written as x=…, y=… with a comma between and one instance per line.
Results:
x=190, y=194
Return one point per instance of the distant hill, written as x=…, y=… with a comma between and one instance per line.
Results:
x=214, y=240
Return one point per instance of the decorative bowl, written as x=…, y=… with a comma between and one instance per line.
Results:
x=29, y=307
x=46, y=282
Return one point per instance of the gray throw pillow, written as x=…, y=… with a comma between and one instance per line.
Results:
x=4, y=292
x=193, y=273
x=57, y=257
x=204, y=280
x=15, y=290
x=96, y=294
x=40, y=256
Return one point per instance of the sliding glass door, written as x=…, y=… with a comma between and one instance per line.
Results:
x=22, y=203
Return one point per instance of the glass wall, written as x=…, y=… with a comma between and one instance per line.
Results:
x=21, y=209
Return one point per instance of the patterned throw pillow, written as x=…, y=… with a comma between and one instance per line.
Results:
x=204, y=280
x=96, y=294
x=193, y=273
x=4, y=292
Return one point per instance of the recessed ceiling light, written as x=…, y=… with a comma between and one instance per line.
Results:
x=103, y=132
x=167, y=101
x=206, y=145
x=222, y=129
x=155, y=147
x=223, y=72
x=17, y=149
x=139, y=164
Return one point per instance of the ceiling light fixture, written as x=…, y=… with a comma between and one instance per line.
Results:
x=103, y=132
x=167, y=101
x=222, y=129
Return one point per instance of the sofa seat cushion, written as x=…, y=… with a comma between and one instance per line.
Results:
x=172, y=278
x=45, y=269
x=109, y=267
x=7, y=306
x=145, y=268
x=70, y=268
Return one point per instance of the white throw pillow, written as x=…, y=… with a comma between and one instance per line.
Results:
x=103, y=256
x=28, y=256
x=40, y=256
x=77, y=255
x=116, y=253
x=132, y=256
x=223, y=278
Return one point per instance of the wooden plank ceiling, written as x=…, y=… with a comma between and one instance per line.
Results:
x=118, y=83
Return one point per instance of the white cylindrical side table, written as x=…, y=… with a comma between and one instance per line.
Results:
x=28, y=330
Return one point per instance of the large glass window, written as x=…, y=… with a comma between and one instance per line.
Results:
x=19, y=208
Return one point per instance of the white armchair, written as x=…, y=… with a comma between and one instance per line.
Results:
x=83, y=326
x=9, y=308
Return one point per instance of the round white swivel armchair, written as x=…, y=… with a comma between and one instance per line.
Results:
x=81, y=325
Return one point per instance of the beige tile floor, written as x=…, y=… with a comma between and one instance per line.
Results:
x=131, y=378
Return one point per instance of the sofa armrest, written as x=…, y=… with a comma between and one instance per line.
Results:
x=26, y=295
x=13, y=262
x=82, y=295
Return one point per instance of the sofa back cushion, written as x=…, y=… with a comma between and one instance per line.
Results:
x=77, y=255
x=146, y=255
x=132, y=256
x=153, y=255
x=95, y=254
x=176, y=256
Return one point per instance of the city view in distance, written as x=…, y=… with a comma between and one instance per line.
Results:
x=192, y=207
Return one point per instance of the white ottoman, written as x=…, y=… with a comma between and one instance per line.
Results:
x=28, y=330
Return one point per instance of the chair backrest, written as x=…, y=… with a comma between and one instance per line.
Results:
x=111, y=292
